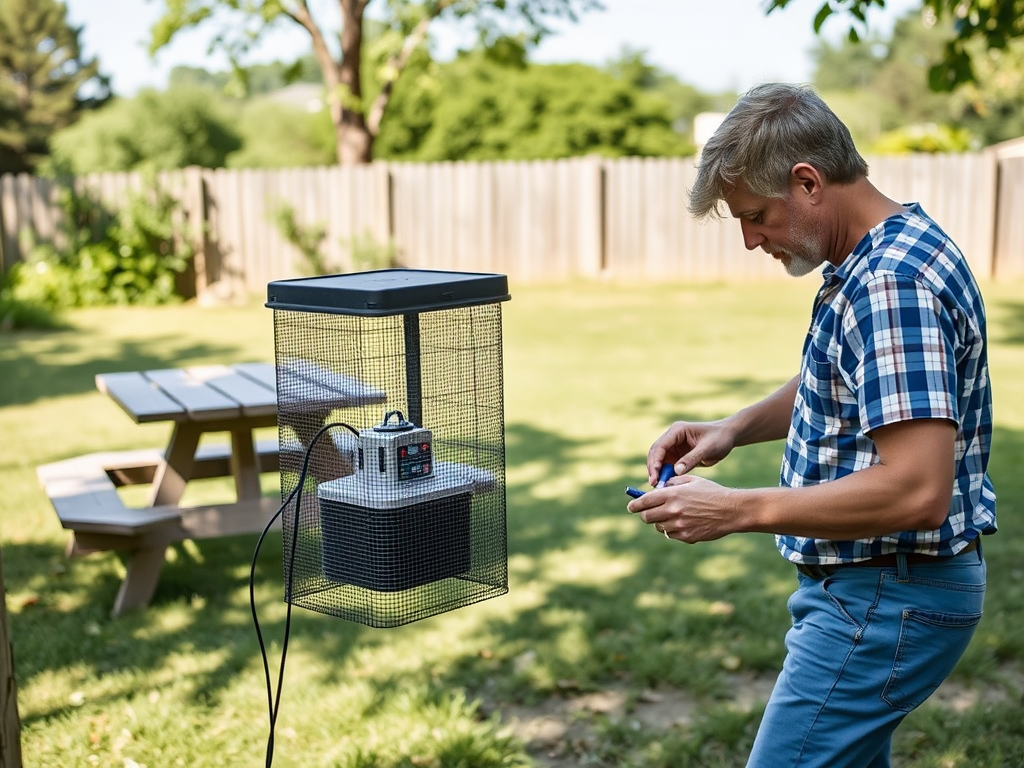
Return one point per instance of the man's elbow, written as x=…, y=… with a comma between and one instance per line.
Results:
x=928, y=509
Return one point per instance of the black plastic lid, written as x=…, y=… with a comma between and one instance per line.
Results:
x=387, y=292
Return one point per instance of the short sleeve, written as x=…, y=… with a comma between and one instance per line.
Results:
x=896, y=352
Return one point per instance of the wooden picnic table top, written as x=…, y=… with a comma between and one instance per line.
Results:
x=226, y=392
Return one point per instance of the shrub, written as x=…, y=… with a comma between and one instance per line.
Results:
x=131, y=256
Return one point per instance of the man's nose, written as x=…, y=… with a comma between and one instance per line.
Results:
x=751, y=237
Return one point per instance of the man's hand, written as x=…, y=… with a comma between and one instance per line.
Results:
x=689, y=444
x=689, y=509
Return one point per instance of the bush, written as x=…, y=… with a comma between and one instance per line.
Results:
x=31, y=295
x=923, y=138
x=129, y=257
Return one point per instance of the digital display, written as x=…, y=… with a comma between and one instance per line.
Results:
x=414, y=461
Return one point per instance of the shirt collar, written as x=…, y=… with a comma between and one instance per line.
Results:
x=833, y=274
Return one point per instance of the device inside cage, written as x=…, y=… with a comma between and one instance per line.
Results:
x=390, y=410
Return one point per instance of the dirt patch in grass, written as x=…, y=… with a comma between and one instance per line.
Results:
x=562, y=731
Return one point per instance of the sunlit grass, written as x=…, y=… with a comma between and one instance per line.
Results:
x=593, y=374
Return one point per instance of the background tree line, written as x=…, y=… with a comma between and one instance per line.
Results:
x=489, y=102
x=380, y=92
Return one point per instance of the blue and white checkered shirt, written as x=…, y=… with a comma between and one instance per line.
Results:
x=897, y=332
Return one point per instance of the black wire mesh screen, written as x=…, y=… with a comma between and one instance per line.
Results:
x=401, y=514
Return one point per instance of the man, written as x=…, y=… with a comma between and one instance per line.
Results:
x=884, y=491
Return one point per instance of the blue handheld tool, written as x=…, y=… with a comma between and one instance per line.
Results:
x=667, y=471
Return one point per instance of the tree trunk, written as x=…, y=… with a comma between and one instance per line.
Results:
x=355, y=142
x=10, y=725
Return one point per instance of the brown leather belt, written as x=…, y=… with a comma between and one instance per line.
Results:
x=890, y=560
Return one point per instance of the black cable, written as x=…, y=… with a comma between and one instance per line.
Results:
x=274, y=701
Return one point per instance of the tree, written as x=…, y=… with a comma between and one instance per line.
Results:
x=992, y=106
x=479, y=107
x=892, y=70
x=153, y=131
x=874, y=86
x=995, y=23
x=685, y=101
x=255, y=80
x=276, y=135
x=42, y=78
x=356, y=112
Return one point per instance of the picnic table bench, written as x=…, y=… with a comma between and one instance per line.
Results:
x=238, y=400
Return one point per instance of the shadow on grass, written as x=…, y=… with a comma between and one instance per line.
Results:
x=197, y=609
x=616, y=604
x=39, y=365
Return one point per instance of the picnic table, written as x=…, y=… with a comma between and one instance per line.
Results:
x=234, y=399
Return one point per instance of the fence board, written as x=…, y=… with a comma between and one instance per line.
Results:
x=1009, y=230
x=958, y=191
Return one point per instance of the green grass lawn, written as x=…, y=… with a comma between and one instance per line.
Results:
x=600, y=607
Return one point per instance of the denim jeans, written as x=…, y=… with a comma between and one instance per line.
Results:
x=867, y=646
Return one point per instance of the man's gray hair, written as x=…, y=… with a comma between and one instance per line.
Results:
x=772, y=128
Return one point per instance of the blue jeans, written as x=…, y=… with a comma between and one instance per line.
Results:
x=867, y=646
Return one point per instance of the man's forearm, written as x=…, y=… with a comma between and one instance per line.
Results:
x=908, y=489
x=766, y=420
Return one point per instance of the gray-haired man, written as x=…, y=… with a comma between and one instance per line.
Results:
x=884, y=491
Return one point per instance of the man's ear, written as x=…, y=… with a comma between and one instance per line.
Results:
x=805, y=179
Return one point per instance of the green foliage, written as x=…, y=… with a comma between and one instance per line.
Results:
x=994, y=24
x=138, y=259
x=132, y=256
x=367, y=252
x=928, y=138
x=359, y=100
x=254, y=80
x=276, y=135
x=476, y=109
x=684, y=101
x=43, y=77
x=992, y=105
x=153, y=131
x=887, y=71
x=307, y=238
x=847, y=66
x=31, y=295
x=875, y=86
x=912, y=49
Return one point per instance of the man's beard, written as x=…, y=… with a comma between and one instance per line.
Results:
x=805, y=255
x=800, y=264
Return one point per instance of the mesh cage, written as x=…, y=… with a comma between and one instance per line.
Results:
x=401, y=514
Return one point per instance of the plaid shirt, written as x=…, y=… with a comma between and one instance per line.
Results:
x=897, y=332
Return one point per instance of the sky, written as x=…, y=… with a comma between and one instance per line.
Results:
x=716, y=45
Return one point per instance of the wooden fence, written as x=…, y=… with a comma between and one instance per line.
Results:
x=534, y=221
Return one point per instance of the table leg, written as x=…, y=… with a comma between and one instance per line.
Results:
x=244, y=465
x=176, y=470
x=327, y=462
x=139, y=584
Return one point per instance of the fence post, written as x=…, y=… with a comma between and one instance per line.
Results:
x=194, y=203
x=10, y=724
x=9, y=252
